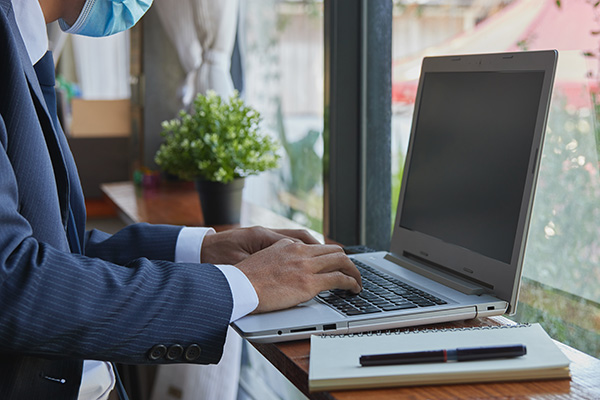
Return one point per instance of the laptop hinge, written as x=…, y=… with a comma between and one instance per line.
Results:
x=433, y=272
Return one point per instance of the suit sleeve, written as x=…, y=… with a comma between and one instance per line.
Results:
x=155, y=242
x=58, y=304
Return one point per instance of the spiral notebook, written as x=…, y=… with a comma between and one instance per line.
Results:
x=334, y=359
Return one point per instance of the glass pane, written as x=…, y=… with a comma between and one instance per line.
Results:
x=282, y=44
x=564, y=238
x=562, y=261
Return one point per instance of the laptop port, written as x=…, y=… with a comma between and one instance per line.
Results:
x=329, y=327
x=312, y=328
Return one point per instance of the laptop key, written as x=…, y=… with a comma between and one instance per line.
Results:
x=394, y=307
x=327, y=296
x=381, y=292
x=365, y=311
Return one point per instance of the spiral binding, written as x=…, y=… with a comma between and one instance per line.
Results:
x=400, y=331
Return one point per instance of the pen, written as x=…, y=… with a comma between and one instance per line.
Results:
x=432, y=356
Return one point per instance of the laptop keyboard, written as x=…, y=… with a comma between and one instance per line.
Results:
x=381, y=292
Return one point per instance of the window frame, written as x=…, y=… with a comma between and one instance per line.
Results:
x=357, y=123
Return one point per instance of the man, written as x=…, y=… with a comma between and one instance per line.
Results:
x=140, y=296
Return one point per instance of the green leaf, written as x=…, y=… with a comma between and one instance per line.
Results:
x=218, y=140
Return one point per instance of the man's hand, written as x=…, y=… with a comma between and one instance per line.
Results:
x=233, y=246
x=291, y=272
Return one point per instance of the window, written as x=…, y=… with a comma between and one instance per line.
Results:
x=562, y=261
x=282, y=44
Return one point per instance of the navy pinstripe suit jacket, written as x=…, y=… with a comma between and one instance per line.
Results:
x=119, y=299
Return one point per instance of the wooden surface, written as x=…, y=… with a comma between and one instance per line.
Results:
x=169, y=203
x=293, y=359
x=178, y=204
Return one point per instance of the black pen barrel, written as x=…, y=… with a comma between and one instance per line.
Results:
x=460, y=354
x=415, y=357
x=491, y=352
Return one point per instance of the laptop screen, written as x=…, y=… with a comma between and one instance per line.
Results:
x=469, y=160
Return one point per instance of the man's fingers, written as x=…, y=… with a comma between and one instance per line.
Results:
x=260, y=237
x=283, y=242
x=289, y=272
x=338, y=280
x=311, y=249
x=333, y=262
x=299, y=234
x=324, y=258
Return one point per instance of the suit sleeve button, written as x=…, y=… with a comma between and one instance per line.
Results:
x=192, y=353
x=157, y=352
x=174, y=352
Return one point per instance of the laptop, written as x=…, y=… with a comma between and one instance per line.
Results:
x=463, y=212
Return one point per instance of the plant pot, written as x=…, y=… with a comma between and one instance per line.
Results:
x=221, y=202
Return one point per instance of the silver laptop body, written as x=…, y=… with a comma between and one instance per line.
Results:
x=465, y=203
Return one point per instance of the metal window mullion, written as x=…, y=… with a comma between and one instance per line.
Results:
x=357, y=170
x=362, y=146
x=342, y=124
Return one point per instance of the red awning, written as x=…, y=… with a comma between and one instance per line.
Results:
x=530, y=25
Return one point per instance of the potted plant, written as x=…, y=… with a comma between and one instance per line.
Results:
x=217, y=144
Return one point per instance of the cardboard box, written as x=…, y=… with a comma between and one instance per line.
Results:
x=100, y=118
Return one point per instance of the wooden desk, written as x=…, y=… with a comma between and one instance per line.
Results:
x=292, y=360
x=178, y=204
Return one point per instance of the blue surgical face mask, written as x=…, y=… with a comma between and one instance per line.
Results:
x=107, y=17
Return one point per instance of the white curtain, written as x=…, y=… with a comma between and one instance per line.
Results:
x=216, y=23
x=203, y=33
x=177, y=20
x=102, y=66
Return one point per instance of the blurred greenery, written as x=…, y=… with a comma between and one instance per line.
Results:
x=563, y=248
x=396, y=183
x=568, y=333
x=565, y=316
x=562, y=262
x=295, y=189
x=301, y=182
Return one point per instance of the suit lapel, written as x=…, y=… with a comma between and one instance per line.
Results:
x=50, y=135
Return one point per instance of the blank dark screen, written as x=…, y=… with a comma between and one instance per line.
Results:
x=470, y=157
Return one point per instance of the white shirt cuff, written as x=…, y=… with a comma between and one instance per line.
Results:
x=245, y=299
x=189, y=244
x=188, y=248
